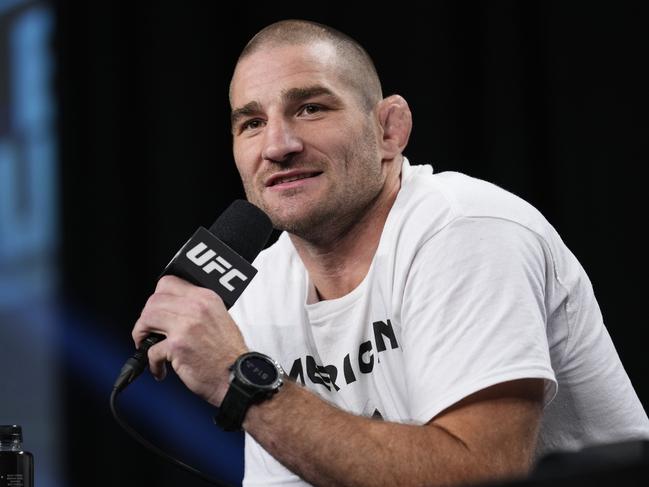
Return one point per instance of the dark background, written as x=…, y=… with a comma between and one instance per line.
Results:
x=546, y=99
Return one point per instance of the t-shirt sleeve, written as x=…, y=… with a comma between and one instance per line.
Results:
x=474, y=313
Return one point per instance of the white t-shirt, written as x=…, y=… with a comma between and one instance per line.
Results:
x=470, y=287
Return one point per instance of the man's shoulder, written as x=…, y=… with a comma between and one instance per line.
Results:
x=459, y=195
x=480, y=212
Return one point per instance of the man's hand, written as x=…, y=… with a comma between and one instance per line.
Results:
x=202, y=339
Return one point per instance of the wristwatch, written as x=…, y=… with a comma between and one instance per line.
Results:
x=254, y=377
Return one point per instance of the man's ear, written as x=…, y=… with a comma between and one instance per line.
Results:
x=395, y=120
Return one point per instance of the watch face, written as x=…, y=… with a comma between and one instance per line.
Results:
x=258, y=371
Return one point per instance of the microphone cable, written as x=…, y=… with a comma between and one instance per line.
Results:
x=152, y=448
x=133, y=367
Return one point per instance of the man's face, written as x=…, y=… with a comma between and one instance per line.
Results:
x=306, y=149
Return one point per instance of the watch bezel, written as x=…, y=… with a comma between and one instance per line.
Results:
x=244, y=381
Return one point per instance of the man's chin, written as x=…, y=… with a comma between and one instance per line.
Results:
x=287, y=222
x=295, y=212
x=288, y=208
x=298, y=222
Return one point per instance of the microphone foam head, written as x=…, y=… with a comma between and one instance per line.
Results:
x=244, y=228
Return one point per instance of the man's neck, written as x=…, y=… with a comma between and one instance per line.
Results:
x=339, y=264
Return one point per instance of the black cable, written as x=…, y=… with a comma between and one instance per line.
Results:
x=150, y=446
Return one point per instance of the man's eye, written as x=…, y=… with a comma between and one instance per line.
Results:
x=251, y=125
x=310, y=109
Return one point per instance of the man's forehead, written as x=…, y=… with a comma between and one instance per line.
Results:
x=269, y=67
x=319, y=52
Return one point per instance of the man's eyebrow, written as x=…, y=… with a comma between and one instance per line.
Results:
x=304, y=93
x=252, y=108
x=293, y=95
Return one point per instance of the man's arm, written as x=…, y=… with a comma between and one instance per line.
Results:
x=490, y=434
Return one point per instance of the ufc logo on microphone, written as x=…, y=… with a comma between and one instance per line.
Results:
x=206, y=259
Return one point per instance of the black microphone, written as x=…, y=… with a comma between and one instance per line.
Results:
x=217, y=259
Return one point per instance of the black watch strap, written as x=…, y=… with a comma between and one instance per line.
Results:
x=233, y=408
x=254, y=377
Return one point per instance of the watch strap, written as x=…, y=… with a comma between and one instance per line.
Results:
x=233, y=408
x=243, y=391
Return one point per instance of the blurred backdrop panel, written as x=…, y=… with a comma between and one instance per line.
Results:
x=30, y=386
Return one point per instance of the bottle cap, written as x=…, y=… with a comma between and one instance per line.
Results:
x=11, y=432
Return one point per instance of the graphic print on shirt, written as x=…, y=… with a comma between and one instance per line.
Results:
x=359, y=361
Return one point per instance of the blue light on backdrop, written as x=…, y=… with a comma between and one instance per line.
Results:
x=36, y=333
x=167, y=414
x=28, y=209
x=28, y=221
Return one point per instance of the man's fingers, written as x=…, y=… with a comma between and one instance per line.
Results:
x=164, y=312
x=158, y=360
x=179, y=306
x=151, y=321
x=177, y=287
x=173, y=285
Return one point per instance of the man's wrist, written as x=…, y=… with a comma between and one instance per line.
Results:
x=254, y=378
x=263, y=412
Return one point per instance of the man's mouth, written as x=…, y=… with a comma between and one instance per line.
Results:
x=289, y=177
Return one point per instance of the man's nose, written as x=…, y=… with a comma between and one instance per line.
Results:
x=280, y=141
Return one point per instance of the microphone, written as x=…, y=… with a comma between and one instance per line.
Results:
x=217, y=259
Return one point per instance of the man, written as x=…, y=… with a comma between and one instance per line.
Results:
x=426, y=320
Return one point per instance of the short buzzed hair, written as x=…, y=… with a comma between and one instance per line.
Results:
x=357, y=63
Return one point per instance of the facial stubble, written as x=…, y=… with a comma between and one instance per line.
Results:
x=334, y=213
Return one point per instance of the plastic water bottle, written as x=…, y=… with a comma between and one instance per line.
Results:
x=16, y=465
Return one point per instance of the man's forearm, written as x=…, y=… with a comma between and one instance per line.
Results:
x=326, y=446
